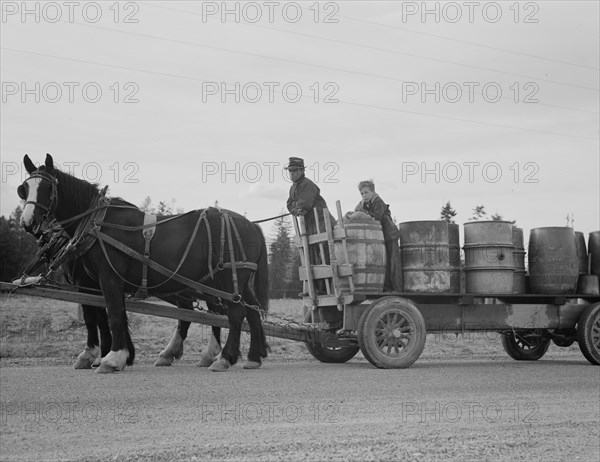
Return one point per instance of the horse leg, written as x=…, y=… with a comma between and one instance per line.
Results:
x=90, y=356
x=174, y=349
x=122, y=351
x=258, y=342
x=213, y=350
x=105, y=337
x=231, y=351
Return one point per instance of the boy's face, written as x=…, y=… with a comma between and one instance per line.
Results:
x=295, y=174
x=366, y=194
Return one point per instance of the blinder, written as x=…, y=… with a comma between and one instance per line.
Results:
x=22, y=191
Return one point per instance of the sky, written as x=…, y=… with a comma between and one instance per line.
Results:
x=476, y=103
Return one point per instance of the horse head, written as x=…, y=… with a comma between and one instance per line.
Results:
x=40, y=193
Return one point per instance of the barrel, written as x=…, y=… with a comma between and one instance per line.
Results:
x=594, y=249
x=581, y=251
x=553, y=264
x=366, y=253
x=489, y=259
x=519, y=285
x=430, y=253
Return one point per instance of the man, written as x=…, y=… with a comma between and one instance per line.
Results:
x=304, y=198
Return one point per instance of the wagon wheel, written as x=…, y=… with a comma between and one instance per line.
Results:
x=524, y=345
x=392, y=333
x=588, y=333
x=328, y=354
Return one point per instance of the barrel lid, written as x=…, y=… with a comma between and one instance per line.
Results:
x=486, y=221
x=427, y=221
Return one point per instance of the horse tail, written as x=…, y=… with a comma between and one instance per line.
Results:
x=261, y=278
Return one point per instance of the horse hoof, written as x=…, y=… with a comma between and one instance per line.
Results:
x=106, y=369
x=204, y=362
x=88, y=358
x=164, y=361
x=251, y=365
x=220, y=365
x=83, y=363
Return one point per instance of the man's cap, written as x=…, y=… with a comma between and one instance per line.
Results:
x=295, y=163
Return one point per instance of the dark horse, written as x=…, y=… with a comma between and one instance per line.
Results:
x=181, y=244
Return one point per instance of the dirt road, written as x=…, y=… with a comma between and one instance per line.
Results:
x=463, y=410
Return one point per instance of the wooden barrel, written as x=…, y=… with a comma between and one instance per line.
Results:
x=553, y=264
x=366, y=253
x=489, y=259
x=594, y=249
x=581, y=250
x=519, y=284
x=430, y=253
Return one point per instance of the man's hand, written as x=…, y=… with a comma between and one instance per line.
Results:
x=299, y=212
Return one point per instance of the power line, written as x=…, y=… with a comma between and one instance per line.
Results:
x=367, y=74
x=475, y=44
x=442, y=37
x=370, y=106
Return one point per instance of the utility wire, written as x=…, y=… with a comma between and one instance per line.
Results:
x=371, y=106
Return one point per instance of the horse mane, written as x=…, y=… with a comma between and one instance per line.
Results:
x=80, y=193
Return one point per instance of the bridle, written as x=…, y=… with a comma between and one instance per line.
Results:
x=47, y=217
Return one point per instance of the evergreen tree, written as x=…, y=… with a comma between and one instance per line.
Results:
x=147, y=206
x=281, y=255
x=447, y=213
x=478, y=213
x=17, y=247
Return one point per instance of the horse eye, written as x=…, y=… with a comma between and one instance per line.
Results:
x=22, y=192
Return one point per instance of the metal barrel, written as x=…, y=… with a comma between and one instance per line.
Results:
x=553, y=264
x=366, y=253
x=594, y=249
x=489, y=259
x=519, y=284
x=430, y=253
x=581, y=251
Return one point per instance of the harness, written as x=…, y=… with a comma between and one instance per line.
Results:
x=57, y=248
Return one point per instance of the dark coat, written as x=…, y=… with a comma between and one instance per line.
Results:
x=381, y=212
x=306, y=196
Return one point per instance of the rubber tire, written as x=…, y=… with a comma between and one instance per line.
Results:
x=588, y=333
x=516, y=351
x=330, y=355
x=375, y=316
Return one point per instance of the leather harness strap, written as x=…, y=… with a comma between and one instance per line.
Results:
x=148, y=232
x=231, y=253
x=202, y=288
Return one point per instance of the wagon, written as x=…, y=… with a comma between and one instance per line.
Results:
x=390, y=328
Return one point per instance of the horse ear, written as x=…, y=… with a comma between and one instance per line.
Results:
x=49, y=163
x=28, y=164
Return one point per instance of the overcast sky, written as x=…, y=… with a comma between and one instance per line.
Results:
x=492, y=104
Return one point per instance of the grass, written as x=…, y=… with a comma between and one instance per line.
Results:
x=40, y=330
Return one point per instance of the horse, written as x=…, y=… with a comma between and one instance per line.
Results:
x=108, y=245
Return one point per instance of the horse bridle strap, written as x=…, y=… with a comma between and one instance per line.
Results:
x=51, y=207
